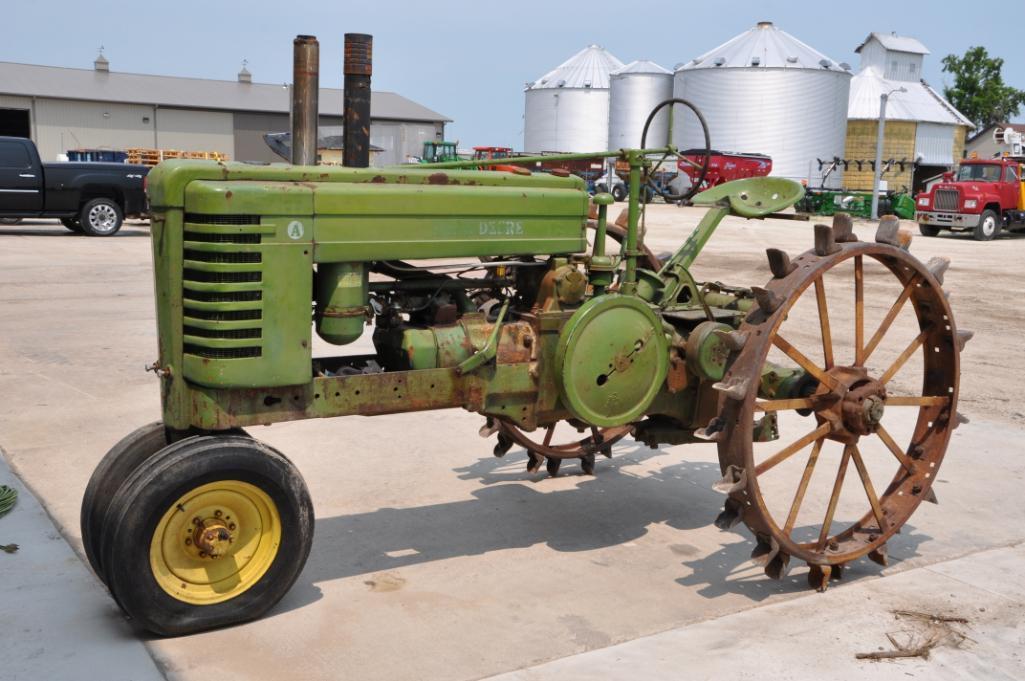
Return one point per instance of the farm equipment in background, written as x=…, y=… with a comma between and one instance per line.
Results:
x=855, y=203
x=438, y=152
x=560, y=329
x=723, y=166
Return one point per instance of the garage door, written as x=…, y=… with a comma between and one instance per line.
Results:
x=934, y=144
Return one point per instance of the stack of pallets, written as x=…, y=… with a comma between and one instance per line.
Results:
x=151, y=157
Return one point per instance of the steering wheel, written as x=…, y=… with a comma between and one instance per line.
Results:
x=696, y=185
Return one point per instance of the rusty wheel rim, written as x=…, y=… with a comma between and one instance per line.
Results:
x=597, y=440
x=916, y=462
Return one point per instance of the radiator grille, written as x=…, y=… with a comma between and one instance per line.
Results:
x=210, y=219
x=946, y=199
x=224, y=315
x=238, y=271
x=216, y=257
x=221, y=353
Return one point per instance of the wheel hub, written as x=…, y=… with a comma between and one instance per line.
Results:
x=854, y=407
x=213, y=537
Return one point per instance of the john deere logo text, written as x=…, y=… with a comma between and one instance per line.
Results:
x=501, y=228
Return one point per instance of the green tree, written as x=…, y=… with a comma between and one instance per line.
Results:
x=979, y=91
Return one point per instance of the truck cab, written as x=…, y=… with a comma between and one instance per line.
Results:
x=93, y=198
x=983, y=197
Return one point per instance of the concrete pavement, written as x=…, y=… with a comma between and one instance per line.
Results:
x=56, y=620
x=432, y=559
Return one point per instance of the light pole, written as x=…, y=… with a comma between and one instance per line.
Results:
x=879, y=150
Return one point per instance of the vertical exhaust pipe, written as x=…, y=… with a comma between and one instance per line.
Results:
x=357, y=67
x=305, y=96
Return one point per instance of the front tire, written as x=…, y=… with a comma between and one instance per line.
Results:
x=619, y=192
x=101, y=217
x=114, y=468
x=988, y=227
x=209, y=532
x=928, y=230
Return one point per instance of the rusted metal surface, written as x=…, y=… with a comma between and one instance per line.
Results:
x=849, y=404
x=358, y=68
x=305, y=99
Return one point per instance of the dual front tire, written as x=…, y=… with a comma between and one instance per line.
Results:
x=205, y=532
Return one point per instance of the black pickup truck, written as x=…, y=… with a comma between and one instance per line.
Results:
x=87, y=197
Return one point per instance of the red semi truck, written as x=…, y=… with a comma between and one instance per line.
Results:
x=983, y=197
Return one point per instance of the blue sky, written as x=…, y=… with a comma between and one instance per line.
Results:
x=466, y=59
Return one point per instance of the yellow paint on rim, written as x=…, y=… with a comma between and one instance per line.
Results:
x=252, y=521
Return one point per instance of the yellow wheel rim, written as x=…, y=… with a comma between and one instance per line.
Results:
x=215, y=542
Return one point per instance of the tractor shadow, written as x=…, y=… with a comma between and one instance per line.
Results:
x=611, y=508
x=730, y=570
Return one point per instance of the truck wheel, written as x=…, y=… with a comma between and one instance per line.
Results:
x=210, y=531
x=988, y=227
x=618, y=192
x=101, y=217
x=928, y=230
x=72, y=223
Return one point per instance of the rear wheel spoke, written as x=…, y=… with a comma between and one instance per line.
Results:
x=805, y=363
x=795, y=507
x=827, y=338
x=921, y=401
x=859, y=311
x=834, y=497
x=792, y=449
x=904, y=356
x=870, y=491
x=895, y=449
x=785, y=405
x=891, y=315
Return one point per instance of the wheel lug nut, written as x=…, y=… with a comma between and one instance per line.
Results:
x=202, y=554
x=231, y=526
x=217, y=514
x=197, y=521
x=188, y=542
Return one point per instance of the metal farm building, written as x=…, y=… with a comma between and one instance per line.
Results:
x=63, y=109
x=634, y=91
x=922, y=129
x=567, y=109
x=766, y=92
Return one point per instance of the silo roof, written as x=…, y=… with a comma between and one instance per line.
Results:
x=919, y=103
x=642, y=66
x=763, y=46
x=588, y=68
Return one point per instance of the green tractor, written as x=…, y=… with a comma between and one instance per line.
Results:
x=563, y=331
x=439, y=152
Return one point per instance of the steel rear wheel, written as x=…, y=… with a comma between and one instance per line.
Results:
x=210, y=531
x=850, y=472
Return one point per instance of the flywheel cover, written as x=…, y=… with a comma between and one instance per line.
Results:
x=611, y=360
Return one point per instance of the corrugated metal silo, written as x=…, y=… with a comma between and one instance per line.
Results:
x=634, y=91
x=567, y=109
x=765, y=91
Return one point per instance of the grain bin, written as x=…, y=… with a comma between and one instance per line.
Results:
x=634, y=91
x=567, y=109
x=765, y=91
